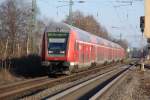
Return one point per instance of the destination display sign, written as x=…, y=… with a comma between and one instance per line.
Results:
x=57, y=40
x=57, y=34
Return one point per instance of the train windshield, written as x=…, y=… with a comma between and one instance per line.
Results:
x=57, y=42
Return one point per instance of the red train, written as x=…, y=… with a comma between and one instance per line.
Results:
x=66, y=49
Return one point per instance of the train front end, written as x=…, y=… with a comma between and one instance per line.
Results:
x=55, y=53
x=55, y=50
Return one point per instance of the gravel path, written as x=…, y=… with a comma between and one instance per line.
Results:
x=134, y=86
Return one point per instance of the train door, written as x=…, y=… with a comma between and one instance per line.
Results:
x=104, y=55
x=97, y=53
x=81, y=53
x=101, y=53
x=76, y=56
x=109, y=54
x=85, y=53
x=109, y=50
x=90, y=53
x=93, y=53
x=112, y=53
x=117, y=53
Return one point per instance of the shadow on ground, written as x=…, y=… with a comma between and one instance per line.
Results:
x=28, y=66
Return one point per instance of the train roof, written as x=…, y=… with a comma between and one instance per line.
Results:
x=55, y=27
x=82, y=35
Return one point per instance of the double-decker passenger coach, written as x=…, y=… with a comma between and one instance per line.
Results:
x=66, y=49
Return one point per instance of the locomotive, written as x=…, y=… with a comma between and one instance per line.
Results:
x=68, y=49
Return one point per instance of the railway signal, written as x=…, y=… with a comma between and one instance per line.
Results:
x=142, y=22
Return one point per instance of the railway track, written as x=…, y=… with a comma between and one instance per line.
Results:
x=10, y=90
x=25, y=88
x=91, y=89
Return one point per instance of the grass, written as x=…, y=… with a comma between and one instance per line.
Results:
x=6, y=76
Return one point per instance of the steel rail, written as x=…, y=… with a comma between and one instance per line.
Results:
x=27, y=88
x=99, y=94
x=81, y=90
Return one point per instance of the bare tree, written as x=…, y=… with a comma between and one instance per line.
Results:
x=122, y=43
x=88, y=23
x=15, y=18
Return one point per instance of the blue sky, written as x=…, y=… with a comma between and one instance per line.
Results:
x=108, y=12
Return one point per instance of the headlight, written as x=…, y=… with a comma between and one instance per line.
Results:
x=62, y=51
x=50, y=51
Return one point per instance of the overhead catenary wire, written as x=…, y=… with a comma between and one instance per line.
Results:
x=120, y=19
x=127, y=23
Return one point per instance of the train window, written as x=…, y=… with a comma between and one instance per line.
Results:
x=57, y=41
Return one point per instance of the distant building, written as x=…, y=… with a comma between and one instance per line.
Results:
x=147, y=19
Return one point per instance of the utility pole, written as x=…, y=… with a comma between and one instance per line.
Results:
x=70, y=12
x=34, y=10
x=142, y=60
x=30, y=37
x=120, y=36
x=71, y=2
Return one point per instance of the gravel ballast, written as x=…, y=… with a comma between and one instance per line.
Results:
x=134, y=86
